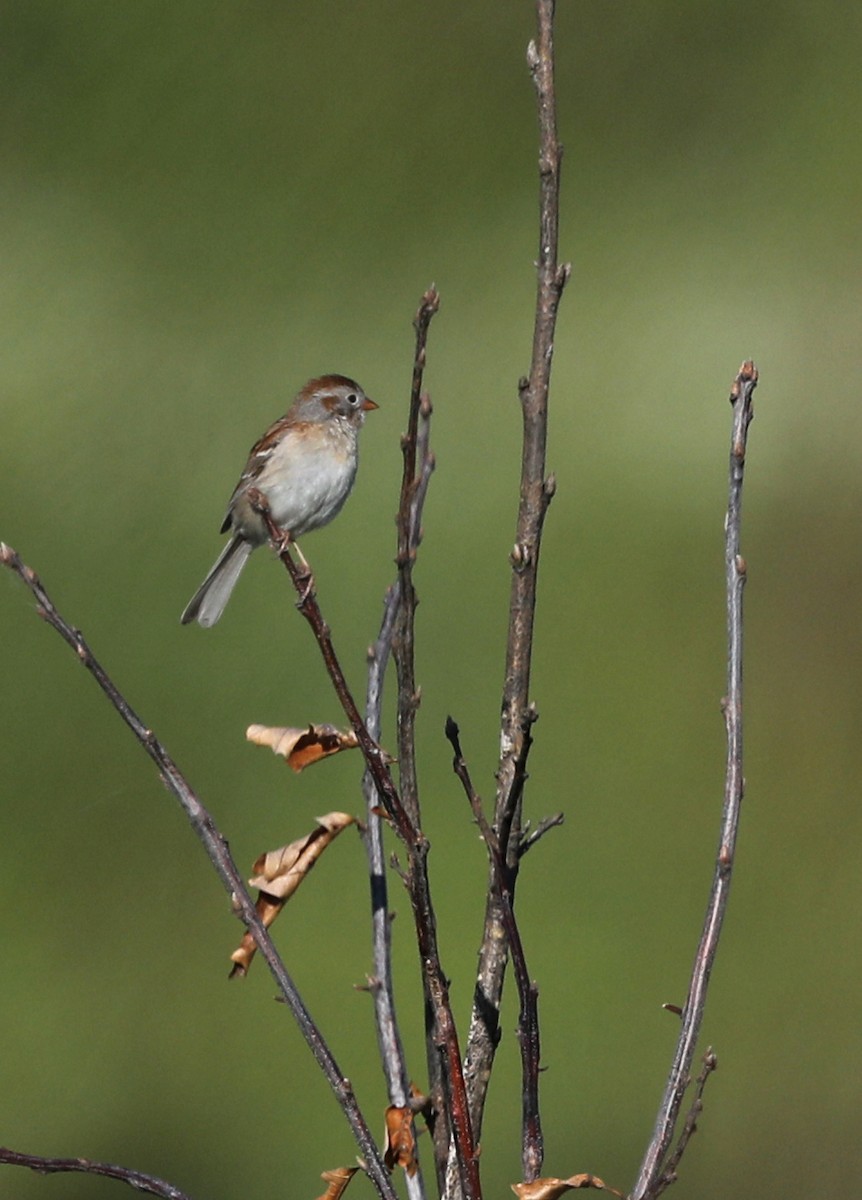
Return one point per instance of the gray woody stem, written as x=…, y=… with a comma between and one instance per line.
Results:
x=381, y=986
x=535, y=495
x=217, y=850
x=653, y=1178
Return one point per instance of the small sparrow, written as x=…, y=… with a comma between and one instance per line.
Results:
x=304, y=465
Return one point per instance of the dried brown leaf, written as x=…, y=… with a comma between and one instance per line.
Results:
x=551, y=1189
x=400, y=1139
x=302, y=747
x=280, y=872
x=338, y=1181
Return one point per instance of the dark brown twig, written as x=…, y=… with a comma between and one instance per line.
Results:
x=536, y=491
x=408, y=541
x=652, y=1167
x=310, y=609
x=408, y=698
x=137, y=1180
x=220, y=856
x=85, y=1166
x=462, y=771
x=532, y=1141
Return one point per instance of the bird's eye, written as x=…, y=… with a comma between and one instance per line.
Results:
x=353, y=398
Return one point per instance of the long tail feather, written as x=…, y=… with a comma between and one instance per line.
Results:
x=208, y=602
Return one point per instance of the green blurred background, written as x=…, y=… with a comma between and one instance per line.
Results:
x=203, y=205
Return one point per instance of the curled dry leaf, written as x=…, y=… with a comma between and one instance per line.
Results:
x=280, y=872
x=550, y=1189
x=338, y=1181
x=400, y=1139
x=302, y=747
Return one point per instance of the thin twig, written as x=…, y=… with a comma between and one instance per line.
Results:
x=310, y=609
x=462, y=771
x=689, y=1128
x=532, y=1141
x=536, y=491
x=408, y=535
x=216, y=847
x=381, y=988
x=652, y=1167
x=408, y=699
x=530, y=837
x=85, y=1166
x=388, y=1034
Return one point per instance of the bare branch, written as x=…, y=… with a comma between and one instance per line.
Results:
x=652, y=1167
x=530, y=837
x=410, y=529
x=443, y=1048
x=85, y=1166
x=408, y=541
x=219, y=854
x=536, y=491
x=307, y=604
x=409, y=536
x=419, y=462
x=503, y=877
x=668, y=1175
x=380, y=985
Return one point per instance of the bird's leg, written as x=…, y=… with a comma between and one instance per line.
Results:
x=306, y=575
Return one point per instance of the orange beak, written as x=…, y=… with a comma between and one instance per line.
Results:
x=369, y=405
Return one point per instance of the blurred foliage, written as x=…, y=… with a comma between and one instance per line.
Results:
x=206, y=203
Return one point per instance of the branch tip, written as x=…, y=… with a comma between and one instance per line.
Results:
x=747, y=377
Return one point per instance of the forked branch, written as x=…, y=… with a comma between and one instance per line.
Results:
x=220, y=856
x=532, y=1141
